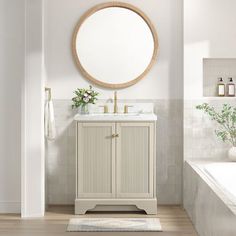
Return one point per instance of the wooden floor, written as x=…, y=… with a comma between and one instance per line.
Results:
x=173, y=219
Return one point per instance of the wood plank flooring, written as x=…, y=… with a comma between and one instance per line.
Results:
x=174, y=221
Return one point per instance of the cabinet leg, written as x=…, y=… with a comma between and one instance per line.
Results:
x=150, y=207
x=81, y=209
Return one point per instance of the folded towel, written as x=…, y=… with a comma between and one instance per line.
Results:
x=49, y=121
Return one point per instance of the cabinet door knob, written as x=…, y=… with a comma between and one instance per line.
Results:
x=115, y=135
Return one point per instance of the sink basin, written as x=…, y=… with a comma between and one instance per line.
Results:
x=137, y=112
x=116, y=117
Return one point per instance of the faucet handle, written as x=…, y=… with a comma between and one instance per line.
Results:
x=126, y=108
x=105, y=108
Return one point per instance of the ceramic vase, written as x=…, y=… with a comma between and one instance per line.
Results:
x=232, y=154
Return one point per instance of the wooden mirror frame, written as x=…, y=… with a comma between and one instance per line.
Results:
x=100, y=7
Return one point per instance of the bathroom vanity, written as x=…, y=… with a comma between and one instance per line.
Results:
x=115, y=151
x=116, y=162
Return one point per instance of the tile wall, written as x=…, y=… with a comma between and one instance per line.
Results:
x=200, y=141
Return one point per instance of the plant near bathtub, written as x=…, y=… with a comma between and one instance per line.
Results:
x=83, y=98
x=226, y=118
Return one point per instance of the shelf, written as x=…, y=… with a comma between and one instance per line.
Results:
x=215, y=68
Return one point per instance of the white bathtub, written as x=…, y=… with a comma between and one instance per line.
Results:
x=210, y=197
x=224, y=175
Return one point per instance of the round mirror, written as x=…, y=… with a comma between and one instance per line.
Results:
x=114, y=45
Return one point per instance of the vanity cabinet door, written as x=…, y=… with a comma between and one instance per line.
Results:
x=135, y=165
x=95, y=160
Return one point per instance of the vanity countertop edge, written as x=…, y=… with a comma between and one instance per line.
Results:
x=115, y=117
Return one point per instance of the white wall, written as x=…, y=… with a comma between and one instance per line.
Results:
x=209, y=31
x=33, y=182
x=11, y=75
x=21, y=119
x=164, y=80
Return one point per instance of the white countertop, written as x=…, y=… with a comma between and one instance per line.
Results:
x=116, y=117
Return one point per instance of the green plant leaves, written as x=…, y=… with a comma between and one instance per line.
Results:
x=226, y=118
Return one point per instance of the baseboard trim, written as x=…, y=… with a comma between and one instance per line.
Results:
x=10, y=207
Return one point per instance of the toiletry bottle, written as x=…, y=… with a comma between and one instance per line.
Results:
x=221, y=88
x=231, y=88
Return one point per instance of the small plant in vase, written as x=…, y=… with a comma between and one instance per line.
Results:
x=83, y=98
x=226, y=119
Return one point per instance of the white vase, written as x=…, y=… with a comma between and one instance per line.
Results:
x=232, y=153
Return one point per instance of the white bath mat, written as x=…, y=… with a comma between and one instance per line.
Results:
x=113, y=224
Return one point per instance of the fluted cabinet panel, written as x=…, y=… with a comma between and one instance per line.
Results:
x=135, y=160
x=95, y=159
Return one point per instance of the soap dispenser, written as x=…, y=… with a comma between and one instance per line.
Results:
x=221, y=88
x=231, y=88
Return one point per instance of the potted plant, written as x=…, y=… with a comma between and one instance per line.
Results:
x=226, y=118
x=83, y=98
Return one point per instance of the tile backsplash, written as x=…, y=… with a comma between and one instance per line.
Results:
x=61, y=154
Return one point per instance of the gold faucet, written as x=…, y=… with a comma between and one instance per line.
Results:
x=115, y=102
x=126, y=109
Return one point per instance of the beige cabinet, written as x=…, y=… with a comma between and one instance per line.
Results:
x=115, y=166
x=134, y=158
x=95, y=160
